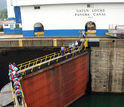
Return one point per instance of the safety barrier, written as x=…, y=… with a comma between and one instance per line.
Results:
x=14, y=97
x=23, y=99
x=39, y=60
x=49, y=58
x=36, y=61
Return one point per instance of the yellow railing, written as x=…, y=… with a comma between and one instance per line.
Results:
x=13, y=95
x=39, y=60
x=50, y=56
x=23, y=99
x=36, y=61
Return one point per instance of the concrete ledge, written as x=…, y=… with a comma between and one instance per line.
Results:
x=35, y=42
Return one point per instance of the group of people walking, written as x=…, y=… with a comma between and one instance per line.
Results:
x=72, y=46
x=14, y=79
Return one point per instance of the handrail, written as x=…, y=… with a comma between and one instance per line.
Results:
x=50, y=56
x=23, y=99
x=33, y=59
x=40, y=59
x=14, y=98
x=13, y=95
x=35, y=62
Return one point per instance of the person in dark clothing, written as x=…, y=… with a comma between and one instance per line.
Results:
x=79, y=42
x=80, y=34
x=18, y=93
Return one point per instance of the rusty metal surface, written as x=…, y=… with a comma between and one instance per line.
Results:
x=58, y=86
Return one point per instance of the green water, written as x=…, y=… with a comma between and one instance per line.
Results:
x=100, y=100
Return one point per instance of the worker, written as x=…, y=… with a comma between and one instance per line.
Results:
x=10, y=71
x=17, y=87
x=83, y=34
x=82, y=44
x=9, y=65
x=62, y=50
x=16, y=75
x=11, y=77
x=14, y=68
x=76, y=44
x=15, y=79
x=18, y=93
x=72, y=46
x=16, y=83
x=69, y=47
x=80, y=34
x=85, y=44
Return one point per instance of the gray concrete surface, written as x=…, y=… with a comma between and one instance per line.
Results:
x=107, y=66
x=5, y=95
x=2, y=35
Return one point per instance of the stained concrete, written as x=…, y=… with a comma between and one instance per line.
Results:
x=107, y=66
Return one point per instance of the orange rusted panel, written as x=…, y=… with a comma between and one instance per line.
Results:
x=58, y=86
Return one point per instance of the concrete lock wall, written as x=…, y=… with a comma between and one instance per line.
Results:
x=57, y=86
x=107, y=66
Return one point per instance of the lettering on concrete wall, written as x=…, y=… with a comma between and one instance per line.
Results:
x=90, y=12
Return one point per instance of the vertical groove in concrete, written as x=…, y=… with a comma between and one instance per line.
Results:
x=107, y=66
